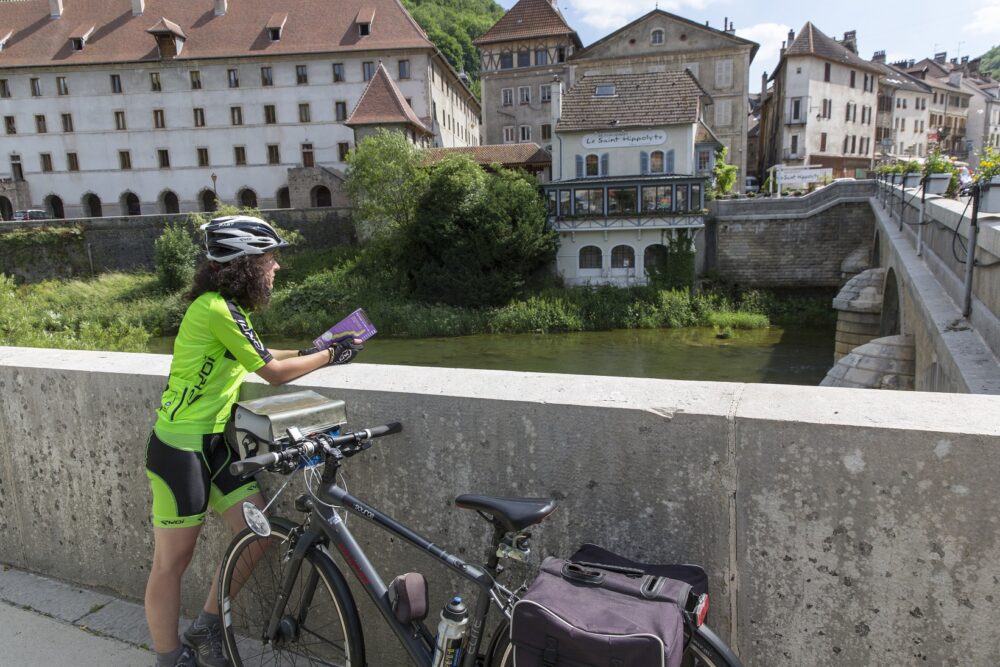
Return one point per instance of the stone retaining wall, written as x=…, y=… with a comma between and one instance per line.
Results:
x=96, y=245
x=839, y=527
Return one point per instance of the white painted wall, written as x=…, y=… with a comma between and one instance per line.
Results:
x=97, y=143
x=625, y=161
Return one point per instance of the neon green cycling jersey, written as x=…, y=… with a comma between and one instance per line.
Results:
x=214, y=350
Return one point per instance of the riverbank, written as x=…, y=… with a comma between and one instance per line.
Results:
x=121, y=312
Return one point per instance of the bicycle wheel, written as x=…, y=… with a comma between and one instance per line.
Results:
x=702, y=651
x=320, y=624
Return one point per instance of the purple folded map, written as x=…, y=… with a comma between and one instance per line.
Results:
x=355, y=325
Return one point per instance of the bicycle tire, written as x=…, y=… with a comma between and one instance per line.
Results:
x=704, y=650
x=328, y=633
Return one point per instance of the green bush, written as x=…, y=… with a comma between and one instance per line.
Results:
x=175, y=253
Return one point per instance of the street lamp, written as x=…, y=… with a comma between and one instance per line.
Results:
x=214, y=179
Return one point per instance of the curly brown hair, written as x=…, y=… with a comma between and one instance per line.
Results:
x=243, y=280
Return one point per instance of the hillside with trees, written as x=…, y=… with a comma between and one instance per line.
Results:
x=990, y=63
x=452, y=25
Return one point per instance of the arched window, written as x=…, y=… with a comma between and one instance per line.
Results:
x=656, y=37
x=92, y=206
x=208, y=201
x=590, y=257
x=655, y=256
x=54, y=204
x=248, y=198
x=622, y=257
x=284, y=199
x=169, y=202
x=6, y=209
x=130, y=204
x=320, y=197
x=593, y=165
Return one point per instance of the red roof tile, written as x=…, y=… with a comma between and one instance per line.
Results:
x=526, y=19
x=313, y=26
x=505, y=154
x=383, y=104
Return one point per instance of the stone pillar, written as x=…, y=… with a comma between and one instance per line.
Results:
x=859, y=306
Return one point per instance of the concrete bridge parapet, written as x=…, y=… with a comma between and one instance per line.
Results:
x=838, y=526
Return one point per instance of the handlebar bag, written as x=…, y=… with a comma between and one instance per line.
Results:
x=576, y=615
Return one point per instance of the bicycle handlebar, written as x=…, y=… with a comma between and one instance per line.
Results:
x=309, y=446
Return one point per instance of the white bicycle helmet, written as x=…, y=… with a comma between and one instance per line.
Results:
x=234, y=236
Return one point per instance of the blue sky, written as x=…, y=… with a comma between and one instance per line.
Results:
x=912, y=29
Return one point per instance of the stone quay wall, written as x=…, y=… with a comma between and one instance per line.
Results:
x=792, y=242
x=88, y=246
x=838, y=527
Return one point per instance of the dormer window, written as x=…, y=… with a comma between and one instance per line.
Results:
x=80, y=36
x=605, y=90
x=169, y=38
x=364, y=20
x=275, y=25
x=656, y=37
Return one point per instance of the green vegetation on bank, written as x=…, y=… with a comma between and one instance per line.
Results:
x=990, y=63
x=122, y=311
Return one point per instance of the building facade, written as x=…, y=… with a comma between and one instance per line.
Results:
x=130, y=106
x=629, y=173
x=718, y=59
x=949, y=105
x=522, y=55
x=820, y=110
x=903, y=115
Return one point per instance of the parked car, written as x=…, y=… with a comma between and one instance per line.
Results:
x=31, y=214
x=751, y=184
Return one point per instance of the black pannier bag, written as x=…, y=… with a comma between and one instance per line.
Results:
x=577, y=615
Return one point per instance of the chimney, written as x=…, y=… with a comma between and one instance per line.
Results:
x=791, y=37
x=879, y=57
x=55, y=9
x=941, y=58
x=138, y=7
x=763, y=85
x=851, y=40
x=220, y=7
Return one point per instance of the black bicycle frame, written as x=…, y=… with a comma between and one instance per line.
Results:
x=414, y=636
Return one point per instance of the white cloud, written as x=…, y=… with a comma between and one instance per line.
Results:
x=606, y=15
x=986, y=19
x=769, y=36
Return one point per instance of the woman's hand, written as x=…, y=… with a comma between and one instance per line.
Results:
x=287, y=365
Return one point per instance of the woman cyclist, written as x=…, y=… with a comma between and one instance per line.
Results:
x=187, y=457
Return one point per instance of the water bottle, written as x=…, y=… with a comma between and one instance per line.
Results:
x=451, y=631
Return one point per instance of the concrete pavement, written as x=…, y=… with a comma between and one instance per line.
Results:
x=44, y=622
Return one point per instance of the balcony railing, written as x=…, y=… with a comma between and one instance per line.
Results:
x=789, y=154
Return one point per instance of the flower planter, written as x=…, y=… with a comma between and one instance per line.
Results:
x=937, y=184
x=912, y=180
x=989, y=199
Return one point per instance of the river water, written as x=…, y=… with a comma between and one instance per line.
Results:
x=773, y=355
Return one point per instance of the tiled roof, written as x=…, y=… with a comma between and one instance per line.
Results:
x=313, y=26
x=812, y=42
x=526, y=19
x=640, y=100
x=505, y=154
x=899, y=79
x=382, y=104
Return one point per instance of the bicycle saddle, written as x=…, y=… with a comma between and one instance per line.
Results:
x=512, y=513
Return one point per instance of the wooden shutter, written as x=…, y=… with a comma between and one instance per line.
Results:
x=643, y=162
x=670, y=162
x=604, y=164
x=579, y=166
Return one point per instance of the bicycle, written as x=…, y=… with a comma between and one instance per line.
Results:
x=285, y=601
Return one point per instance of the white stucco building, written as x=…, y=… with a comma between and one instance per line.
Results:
x=821, y=109
x=631, y=162
x=143, y=106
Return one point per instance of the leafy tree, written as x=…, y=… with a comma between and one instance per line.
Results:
x=477, y=238
x=723, y=173
x=990, y=63
x=385, y=179
x=673, y=264
x=174, y=254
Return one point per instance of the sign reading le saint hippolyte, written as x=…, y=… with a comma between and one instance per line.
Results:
x=623, y=139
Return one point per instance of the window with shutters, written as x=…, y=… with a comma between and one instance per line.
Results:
x=724, y=73
x=657, y=162
x=592, y=166
x=723, y=113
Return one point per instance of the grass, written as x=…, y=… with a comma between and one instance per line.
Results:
x=121, y=312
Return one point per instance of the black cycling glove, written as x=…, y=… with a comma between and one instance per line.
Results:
x=344, y=352
x=309, y=350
